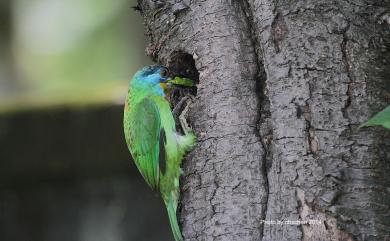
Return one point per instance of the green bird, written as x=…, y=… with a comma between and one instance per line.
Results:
x=151, y=136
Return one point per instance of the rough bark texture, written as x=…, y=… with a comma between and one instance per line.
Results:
x=326, y=64
x=282, y=145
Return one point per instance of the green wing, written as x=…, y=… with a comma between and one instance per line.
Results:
x=148, y=140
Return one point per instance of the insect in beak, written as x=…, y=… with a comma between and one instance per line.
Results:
x=183, y=82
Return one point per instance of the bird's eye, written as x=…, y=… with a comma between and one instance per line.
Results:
x=164, y=72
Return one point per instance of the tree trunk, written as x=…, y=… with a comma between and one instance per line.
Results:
x=283, y=87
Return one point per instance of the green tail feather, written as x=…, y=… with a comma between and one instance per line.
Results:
x=173, y=220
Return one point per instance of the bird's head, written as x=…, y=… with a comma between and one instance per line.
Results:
x=153, y=77
x=156, y=78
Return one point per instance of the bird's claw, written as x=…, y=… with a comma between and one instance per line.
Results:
x=179, y=106
x=187, y=101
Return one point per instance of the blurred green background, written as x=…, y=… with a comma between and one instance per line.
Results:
x=65, y=171
x=74, y=51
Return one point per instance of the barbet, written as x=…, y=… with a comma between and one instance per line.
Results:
x=151, y=136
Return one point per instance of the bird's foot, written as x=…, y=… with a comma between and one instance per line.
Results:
x=179, y=107
x=187, y=101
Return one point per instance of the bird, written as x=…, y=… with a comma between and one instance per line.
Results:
x=156, y=146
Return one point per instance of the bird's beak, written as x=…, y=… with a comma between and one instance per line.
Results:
x=165, y=86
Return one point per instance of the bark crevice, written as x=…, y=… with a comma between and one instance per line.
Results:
x=263, y=128
x=347, y=64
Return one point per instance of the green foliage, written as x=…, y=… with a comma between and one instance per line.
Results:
x=382, y=118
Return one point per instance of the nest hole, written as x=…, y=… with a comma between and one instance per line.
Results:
x=182, y=64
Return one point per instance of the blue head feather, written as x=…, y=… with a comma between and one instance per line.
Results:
x=151, y=77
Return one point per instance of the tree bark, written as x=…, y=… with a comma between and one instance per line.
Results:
x=283, y=87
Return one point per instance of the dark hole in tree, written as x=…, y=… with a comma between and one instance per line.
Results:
x=183, y=65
